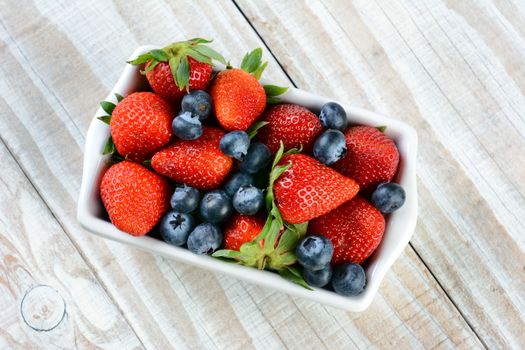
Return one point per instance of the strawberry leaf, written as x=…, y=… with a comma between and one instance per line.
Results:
x=227, y=254
x=149, y=68
x=200, y=41
x=145, y=57
x=199, y=56
x=108, y=107
x=105, y=118
x=293, y=275
x=209, y=52
x=252, y=60
x=259, y=71
x=159, y=55
x=119, y=97
x=381, y=128
x=271, y=100
x=252, y=63
x=291, y=237
x=274, y=90
x=183, y=73
x=109, y=147
x=272, y=235
x=254, y=128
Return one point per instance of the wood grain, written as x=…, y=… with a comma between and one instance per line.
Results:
x=50, y=297
x=433, y=64
x=414, y=61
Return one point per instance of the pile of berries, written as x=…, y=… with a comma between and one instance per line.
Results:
x=216, y=164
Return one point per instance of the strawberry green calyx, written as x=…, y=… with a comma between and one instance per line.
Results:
x=176, y=55
x=252, y=63
x=108, y=107
x=381, y=128
x=272, y=91
x=254, y=128
x=274, y=247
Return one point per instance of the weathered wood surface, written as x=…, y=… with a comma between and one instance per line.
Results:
x=452, y=69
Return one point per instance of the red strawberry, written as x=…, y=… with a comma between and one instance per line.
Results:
x=179, y=67
x=309, y=189
x=241, y=229
x=371, y=159
x=292, y=124
x=238, y=97
x=355, y=229
x=135, y=197
x=141, y=125
x=198, y=163
x=161, y=79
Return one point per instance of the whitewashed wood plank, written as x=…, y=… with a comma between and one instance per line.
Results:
x=50, y=297
x=461, y=168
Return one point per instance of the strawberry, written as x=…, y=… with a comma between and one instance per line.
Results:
x=238, y=97
x=308, y=189
x=162, y=82
x=292, y=124
x=179, y=67
x=355, y=229
x=371, y=158
x=241, y=229
x=141, y=125
x=198, y=163
x=134, y=197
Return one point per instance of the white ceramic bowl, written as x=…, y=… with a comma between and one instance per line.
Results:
x=399, y=230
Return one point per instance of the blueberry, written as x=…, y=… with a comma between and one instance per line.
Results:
x=205, y=239
x=319, y=278
x=216, y=206
x=333, y=116
x=185, y=199
x=314, y=252
x=257, y=158
x=237, y=180
x=198, y=103
x=187, y=127
x=348, y=279
x=388, y=197
x=235, y=144
x=248, y=200
x=330, y=146
x=175, y=227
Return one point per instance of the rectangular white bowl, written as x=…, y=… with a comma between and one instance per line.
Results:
x=399, y=230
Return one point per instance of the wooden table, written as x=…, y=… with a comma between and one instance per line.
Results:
x=453, y=69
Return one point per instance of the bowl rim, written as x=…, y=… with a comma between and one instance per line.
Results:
x=381, y=262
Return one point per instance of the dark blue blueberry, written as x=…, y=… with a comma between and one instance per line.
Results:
x=198, y=103
x=319, y=278
x=187, y=127
x=257, y=158
x=185, y=199
x=205, y=239
x=348, y=279
x=175, y=227
x=388, y=197
x=330, y=146
x=237, y=180
x=333, y=116
x=248, y=200
x=216, y=206
x=314, y=252
x=235, y=144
